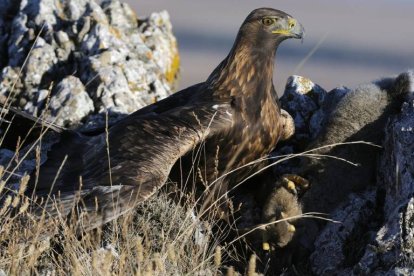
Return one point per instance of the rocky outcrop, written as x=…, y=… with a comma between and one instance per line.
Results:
x=78, y=59
x=375, y=230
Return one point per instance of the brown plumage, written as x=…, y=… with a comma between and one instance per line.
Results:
x=18, y=129
x=234, y=116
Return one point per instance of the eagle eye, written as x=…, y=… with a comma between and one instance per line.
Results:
x=267, y=21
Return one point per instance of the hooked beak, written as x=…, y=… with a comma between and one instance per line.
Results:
x=293, y=29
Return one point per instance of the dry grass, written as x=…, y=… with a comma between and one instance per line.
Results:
x=157, y=239
x=160, y=238
x=142, y=243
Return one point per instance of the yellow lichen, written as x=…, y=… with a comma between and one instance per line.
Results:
x=306, y=85
x=173, y=70
x=60, y=13
x=116, y=32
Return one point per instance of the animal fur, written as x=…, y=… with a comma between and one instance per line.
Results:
x=281, y=204
x=361, y=115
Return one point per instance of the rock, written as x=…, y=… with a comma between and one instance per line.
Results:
x=376, y=234
x=308, y=104
x=355, y=217
x=40, y=61
x=303, y=100
x=73, y=61
x=17, y=165
x=115, y=61
x=395, y=240
x=70, y=103
x=396, y=163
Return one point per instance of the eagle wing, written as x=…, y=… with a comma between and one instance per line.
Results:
x=110, y=173
x=17, y=125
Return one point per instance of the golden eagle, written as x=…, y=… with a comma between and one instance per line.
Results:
x=235, y=116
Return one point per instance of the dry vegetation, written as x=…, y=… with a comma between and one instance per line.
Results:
x=157, y=239
x=161, y=237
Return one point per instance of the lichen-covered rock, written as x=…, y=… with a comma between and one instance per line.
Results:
x=70, y=103
x=303, y=100
x=116, y=60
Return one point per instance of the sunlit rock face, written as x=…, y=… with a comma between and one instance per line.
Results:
x=79, y=59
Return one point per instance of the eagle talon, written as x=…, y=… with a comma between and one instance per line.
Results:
x=295, y=184
x=266, y=246
x=290, y=185
x=291, y=228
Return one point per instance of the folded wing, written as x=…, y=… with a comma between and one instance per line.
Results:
x=107, y=175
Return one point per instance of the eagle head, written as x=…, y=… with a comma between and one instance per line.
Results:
x=270, y=26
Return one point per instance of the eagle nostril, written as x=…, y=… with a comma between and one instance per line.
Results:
x=291, y=25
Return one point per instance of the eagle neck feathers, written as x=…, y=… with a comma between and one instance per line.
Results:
x=246, y=72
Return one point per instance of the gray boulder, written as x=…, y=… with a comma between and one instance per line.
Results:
x=110, y=59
